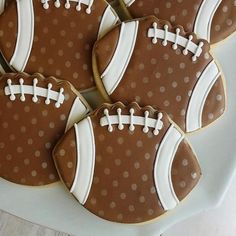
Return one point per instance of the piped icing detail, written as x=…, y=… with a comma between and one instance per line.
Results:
x=48, y=93
x=132, y=121
x=67, y=5
x=166, y=36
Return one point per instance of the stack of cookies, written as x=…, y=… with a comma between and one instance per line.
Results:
x=128, y=159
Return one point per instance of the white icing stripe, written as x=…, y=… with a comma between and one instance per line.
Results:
x=25, y=34
x=199, y=96
x=204, y=18
x=77, y=112
x=116, y=69
x=2, y=71
x=109, y=19
x=162, y=168
x=2, y=6
x=85, y=160
x=128, y=3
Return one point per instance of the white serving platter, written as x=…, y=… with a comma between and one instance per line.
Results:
x=52, y=206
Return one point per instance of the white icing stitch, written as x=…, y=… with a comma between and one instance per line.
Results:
x=163, y=166
x=22, y=89
x=67, y=5
x=132, y=120
x=85, y=144
x=155, y=33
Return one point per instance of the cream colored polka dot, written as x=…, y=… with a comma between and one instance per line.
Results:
x=37, y=153
x=128, y=153
x=51, y=176
x=182, y=184
x=96, y=180
x=131, y=208
x=19, y=149
x=118, y=162
x=16, y=169
x=34, y=173
x=147, y=156
x=112, y=205
x=104, y=192
x=210, y=116
x=141, y=199
x=184, y=162
x=62, y=152
x=120, y=217
x=123, y=196
x=150, y=212
x=134, y=187
x=52, y=125
x=136, y=165
x=69, y=164
x=44, y=165
x=194, y=175
x=152, y=190
x=107, y=171
x=125, y=174
x=109, y=149
x=93, y=201
x=26, y=161
x=139, y=144
x=144, y=178
x=115, y=183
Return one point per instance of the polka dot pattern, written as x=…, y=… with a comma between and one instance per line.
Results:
x=215, y=104
x=62, y=44
x=178, y=12
x=26, y=140
x=224, y=21
x=168, y=84
x=123, y=187
x=185, y=171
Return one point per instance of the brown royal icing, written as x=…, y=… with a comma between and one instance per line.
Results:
x=62, y=38
x=159, y=74
x=30, y=128
x=123, y=187
x=224, y=21
x=184, y=13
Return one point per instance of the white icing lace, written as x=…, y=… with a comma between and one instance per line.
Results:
x=166, y=36
x=34, y=90
x=132, y=120
x=57, y=4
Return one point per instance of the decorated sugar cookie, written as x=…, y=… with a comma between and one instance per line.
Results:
x=224, y=21
x=34, y=113
x=53, y=37
x=151, y=62
x=195, y=16
x=127, y=164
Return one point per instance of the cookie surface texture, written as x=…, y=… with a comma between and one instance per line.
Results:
x=53, y=37
x=34, y=113
x=153, y=63
x=127, y=164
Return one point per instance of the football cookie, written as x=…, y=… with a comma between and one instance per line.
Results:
x=126, y=163
x=34, y=113
x=53, y=37
x=149, y=61
x=224, y=21
x=195, y=16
